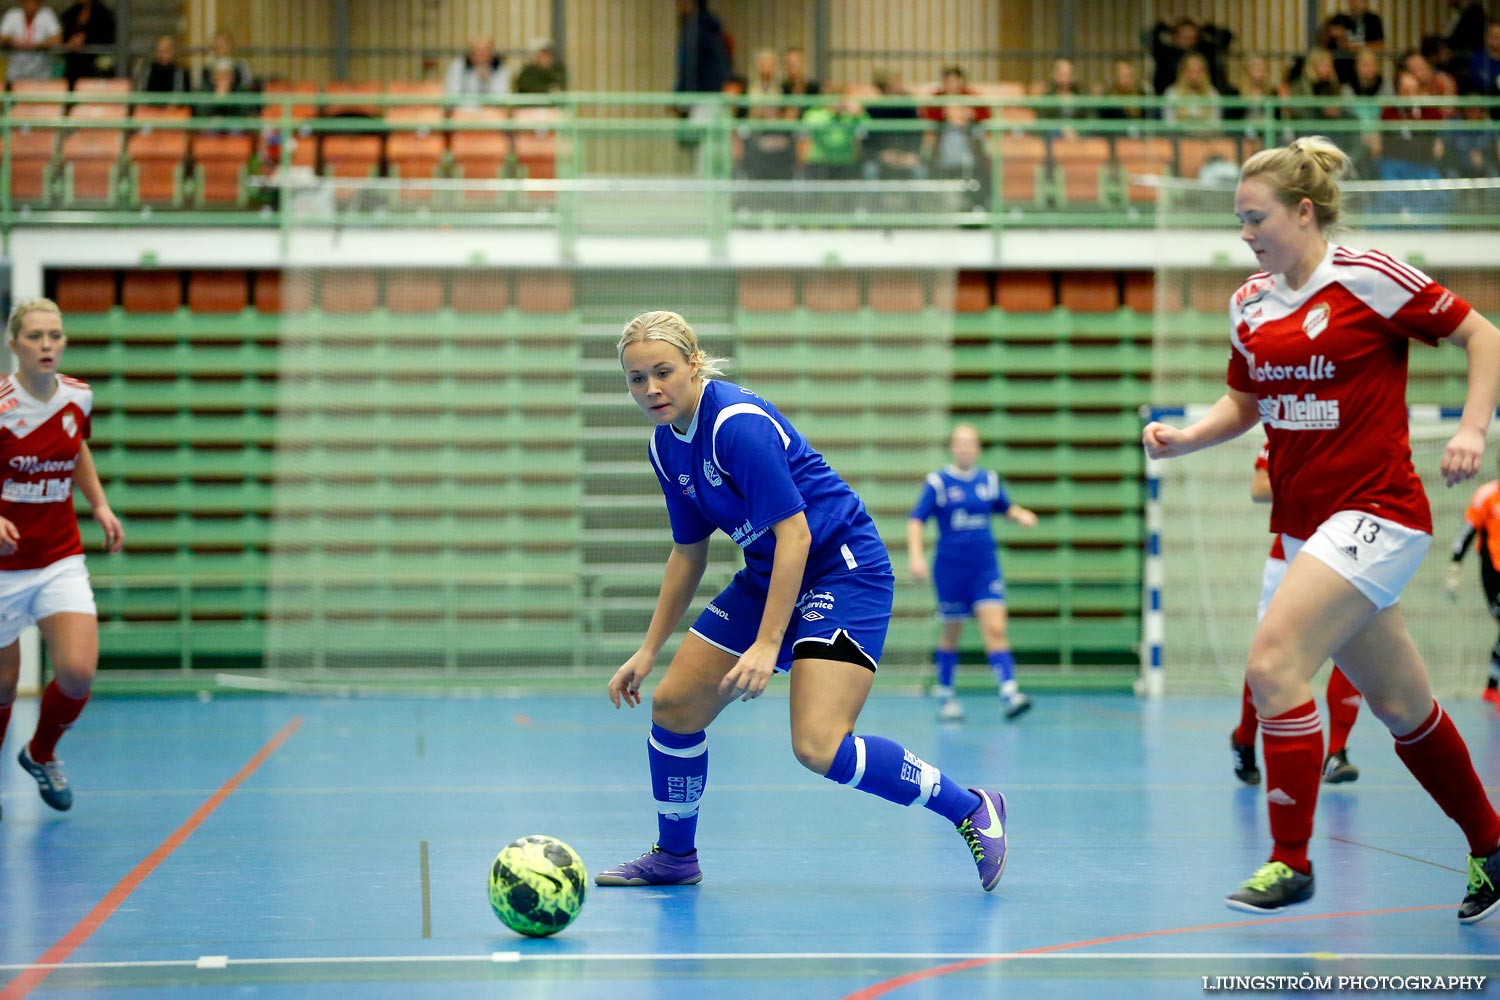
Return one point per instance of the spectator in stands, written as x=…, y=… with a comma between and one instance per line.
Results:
x=1319, y=81
x=88, y=24
x=766, y=150
x=1192, y=100
x=1257, y=93
x=1484, y=66
x=795, y=81
x=831, y=136
x=28, y=31
x=892, y=148
x=702, y=55
x=163, y=74
x=1439, y=79
x=956, y=152
x=543, y=72
x=955, y=84
x=763, y=81
x=1466, y=29
x=222, y=47
x=224, y=81
x=1366, y=29
x=480, y=73
x=1472, y=149
x=1062, y=84
x=1408, y=154
x=1124, y=83
x=1369, y=90
x=1335, y=39
x=1170, y=43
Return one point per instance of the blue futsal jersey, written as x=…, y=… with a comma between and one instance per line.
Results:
x=742, y=467
x=962, y=504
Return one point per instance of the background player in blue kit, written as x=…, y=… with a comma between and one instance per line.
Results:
x=814, y=596
x=966, y=571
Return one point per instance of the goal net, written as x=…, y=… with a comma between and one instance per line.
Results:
x=1208, y=540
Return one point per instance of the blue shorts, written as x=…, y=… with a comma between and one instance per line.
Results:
x=959, y=588
x=858, y=604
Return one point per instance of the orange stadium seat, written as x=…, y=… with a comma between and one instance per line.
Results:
x=272, y=112
x=1081, y=165
x=1209, y=291
x=1194, y=151
x=101, y=85
x=350, y=291
x=479, y=154
x=536, y=147
x=1089, y=291
x=218, y=291
x=91, y=157
x=832, y=291
x=414, y=155
x=157, y=155
x=1137, y=157
x=33, y=164
x=973, y=292
x=1025, y=291
x=86, y=291
x=414, y=292
x=151, y=291
x=1140, y=291
x=350, y=156
x=1023, y=161
x=350, y=91
x=544, y=292
x=480, y=292
x=896, y=293
x=221, y=164
x=767, y=291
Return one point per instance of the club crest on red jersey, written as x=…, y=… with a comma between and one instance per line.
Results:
x=1316, y=320
x=70, y=425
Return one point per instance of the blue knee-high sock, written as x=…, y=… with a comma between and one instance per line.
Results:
x=1004, y=666
x=885, y=768
x=946, y=661
x=679, y=770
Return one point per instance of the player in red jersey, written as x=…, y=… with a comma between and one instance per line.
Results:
x=1343, y=699
x=44, y=427
x=1482, y=520
x=1319, y=355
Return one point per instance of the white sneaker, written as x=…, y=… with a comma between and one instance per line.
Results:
x=952, y=710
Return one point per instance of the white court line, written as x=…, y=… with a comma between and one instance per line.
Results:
x=224, y=961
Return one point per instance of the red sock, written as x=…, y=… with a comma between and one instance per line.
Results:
x=58, y=714
x=4, y=721
x=1244, y=733
x=1439, y=759
x=1293, y=744
x=1343, y=708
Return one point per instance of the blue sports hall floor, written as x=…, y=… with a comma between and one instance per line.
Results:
x=318, y=846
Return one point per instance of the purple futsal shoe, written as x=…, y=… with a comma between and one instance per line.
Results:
x=984, y=831
x=655, y=867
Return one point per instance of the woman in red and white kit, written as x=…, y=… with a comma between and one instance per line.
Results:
x=1343, y=699
x=44, y=427
x=1319, y=356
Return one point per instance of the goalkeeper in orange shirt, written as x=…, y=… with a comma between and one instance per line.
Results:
x=1483, y=519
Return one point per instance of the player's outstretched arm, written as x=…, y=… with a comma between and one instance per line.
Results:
x=916, y=545
x=1024, y=516
x=679, y=583
x=1234, y=414
x=1464, y=455
x=87, y=478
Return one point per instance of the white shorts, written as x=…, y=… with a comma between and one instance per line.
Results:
x=1378, y=556
x=1270, y=579
x=29, y=595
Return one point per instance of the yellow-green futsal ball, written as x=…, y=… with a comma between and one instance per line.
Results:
x=536, y=885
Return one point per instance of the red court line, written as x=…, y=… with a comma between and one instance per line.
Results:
x=59, y=952
x=891, y=985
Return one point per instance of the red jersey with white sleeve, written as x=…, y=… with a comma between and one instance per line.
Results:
x=1263, y=464
x=40, y=443
x=1327, y=363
